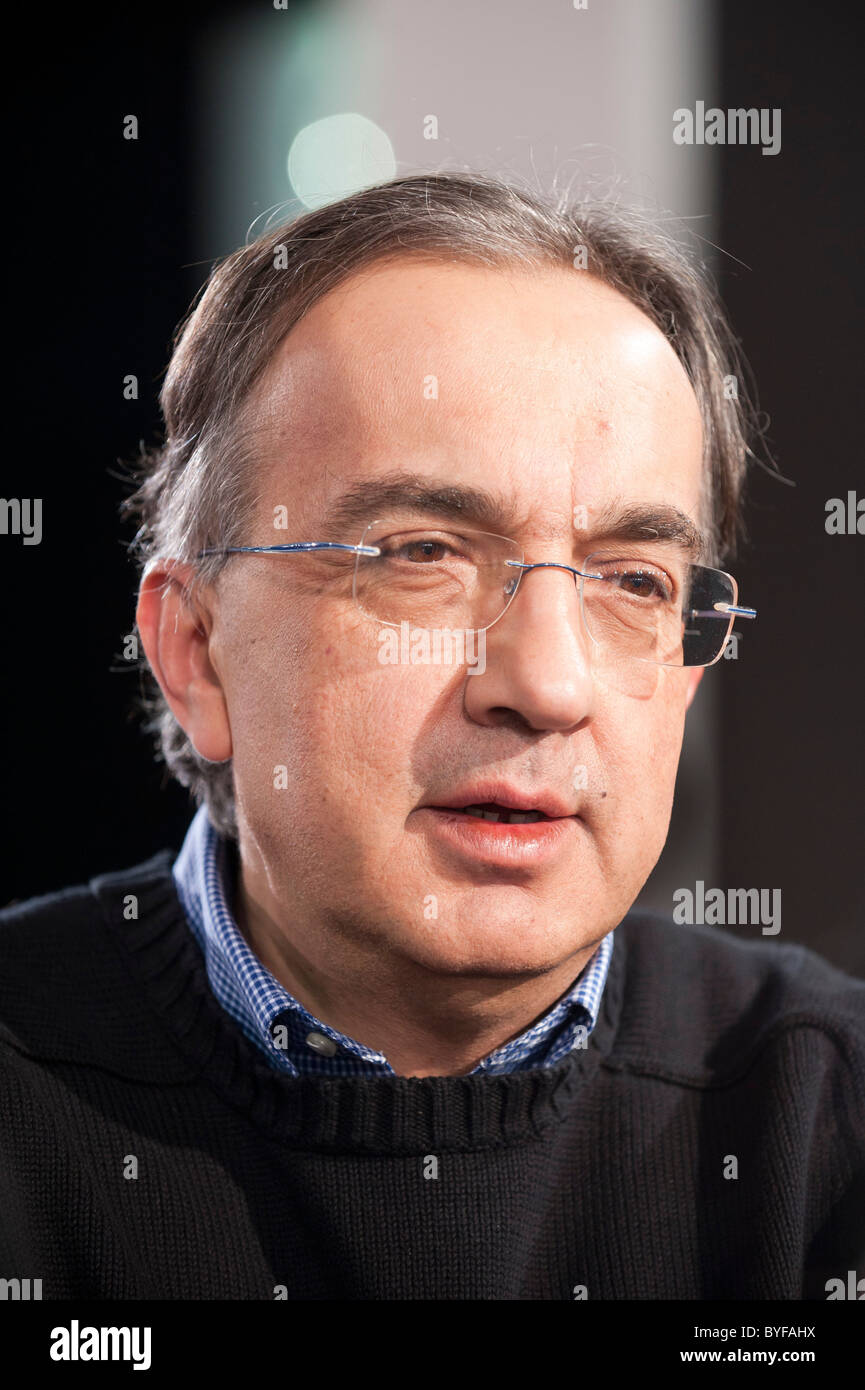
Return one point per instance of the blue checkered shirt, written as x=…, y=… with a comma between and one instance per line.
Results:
x=288, y=1035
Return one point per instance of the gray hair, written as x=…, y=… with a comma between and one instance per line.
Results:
x=194, y=491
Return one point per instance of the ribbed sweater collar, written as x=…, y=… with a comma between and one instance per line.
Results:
x=370, y=1115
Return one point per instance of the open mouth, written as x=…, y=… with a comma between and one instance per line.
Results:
x=518, y=837
x=489, y=810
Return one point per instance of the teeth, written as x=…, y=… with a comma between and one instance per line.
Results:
x=510, y=817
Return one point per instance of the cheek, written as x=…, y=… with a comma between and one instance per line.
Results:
x=316, y=709
x=639, y=742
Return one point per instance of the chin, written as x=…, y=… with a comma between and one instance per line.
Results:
x=506, y=948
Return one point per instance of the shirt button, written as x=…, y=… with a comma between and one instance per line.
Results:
x=325, y=1046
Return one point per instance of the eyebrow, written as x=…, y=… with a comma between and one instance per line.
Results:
x=657, y=522
x=372, y=500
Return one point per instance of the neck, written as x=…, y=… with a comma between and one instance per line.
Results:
x=423, y=1022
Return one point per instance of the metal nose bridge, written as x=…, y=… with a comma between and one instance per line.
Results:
x=524, y=568
x=551, y=565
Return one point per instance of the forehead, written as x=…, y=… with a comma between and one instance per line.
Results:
x=546, y=385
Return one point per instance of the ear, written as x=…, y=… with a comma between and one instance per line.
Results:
x=175, y=632
x=693, y=681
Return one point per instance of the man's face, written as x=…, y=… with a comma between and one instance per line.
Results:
x=555, y=394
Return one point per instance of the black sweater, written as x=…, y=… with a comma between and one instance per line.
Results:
x=708, y=1143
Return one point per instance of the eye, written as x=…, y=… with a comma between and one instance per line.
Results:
x=636, y=580
x=645, y=584
x=420, y=551
x=423, y=550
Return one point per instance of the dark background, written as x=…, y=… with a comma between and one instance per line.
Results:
x=100, y=236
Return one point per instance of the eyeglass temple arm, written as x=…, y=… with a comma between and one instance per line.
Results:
x=722, y=610
x=294, y=545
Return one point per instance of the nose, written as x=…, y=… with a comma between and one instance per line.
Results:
x=537, y=656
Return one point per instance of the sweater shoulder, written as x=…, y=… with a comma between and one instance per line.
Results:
x=69, y=914
x=701, y=1004
x=67, y=993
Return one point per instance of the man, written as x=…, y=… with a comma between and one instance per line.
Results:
x=432, y=570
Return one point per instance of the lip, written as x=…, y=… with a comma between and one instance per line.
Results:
x=509, y=797
x=495, y=844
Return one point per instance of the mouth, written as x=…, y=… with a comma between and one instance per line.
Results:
x=497, y=801
x=492, y=811
x=497, y=826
